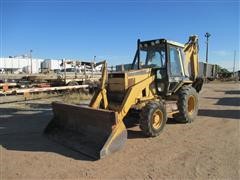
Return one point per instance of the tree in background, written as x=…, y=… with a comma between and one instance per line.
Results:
x=221, y=70
x=222, y=73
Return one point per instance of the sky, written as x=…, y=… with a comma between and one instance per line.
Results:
x=109, y=29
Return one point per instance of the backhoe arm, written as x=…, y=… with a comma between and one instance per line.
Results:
x=191, y=52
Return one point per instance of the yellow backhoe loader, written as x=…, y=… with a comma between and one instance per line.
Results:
x=161, y=83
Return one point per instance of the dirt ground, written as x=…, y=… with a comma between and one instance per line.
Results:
x=207, y=148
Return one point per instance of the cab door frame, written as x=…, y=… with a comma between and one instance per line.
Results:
x=174, y=79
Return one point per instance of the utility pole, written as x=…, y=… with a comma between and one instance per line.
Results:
x=65, y=74
x=207, y=35
x=94, y=59
x=234, y=63
x=31, y=60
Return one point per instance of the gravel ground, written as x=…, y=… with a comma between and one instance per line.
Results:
x=208, y=148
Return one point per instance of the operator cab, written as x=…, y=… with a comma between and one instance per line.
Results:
x=165, y=58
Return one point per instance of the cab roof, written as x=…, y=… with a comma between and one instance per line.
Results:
x=159, y=41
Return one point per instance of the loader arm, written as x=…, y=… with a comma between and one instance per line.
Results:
x=132, y=96
x=101, y=93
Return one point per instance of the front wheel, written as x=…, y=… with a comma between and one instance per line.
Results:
x=153, y=118
x=187, y=105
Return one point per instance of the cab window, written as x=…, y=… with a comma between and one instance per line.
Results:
x=175, y=66
x=155, y=58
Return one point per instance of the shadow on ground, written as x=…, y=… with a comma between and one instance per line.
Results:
x=21, y=130
x=230, y=91
x=134, y=132
x=226, y=101
x=232, y=114
x=132, y=125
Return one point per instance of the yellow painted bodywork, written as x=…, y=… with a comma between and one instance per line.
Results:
x=191, y=56
x=137, y=85
x=137, y=88
x=127, y=79
x=191, y=104
x=103, y=130
x=157, y=119
x=133, y=93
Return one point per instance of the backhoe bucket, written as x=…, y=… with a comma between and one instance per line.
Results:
x=93, y=132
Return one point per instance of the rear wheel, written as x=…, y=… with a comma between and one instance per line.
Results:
x=153, y=119
x=187, y=105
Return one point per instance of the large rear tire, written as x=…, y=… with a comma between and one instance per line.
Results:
x=153, y=118
x=187, y=105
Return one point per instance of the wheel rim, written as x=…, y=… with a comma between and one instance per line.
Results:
x=157, y=119
x=191, y=104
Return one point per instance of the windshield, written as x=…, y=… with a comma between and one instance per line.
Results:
x=153, y=58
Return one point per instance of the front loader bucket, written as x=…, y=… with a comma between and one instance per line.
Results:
x=93, y=132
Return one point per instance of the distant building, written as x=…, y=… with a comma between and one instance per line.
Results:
x=24, y=64
x=20, y=65
x=51, y=64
